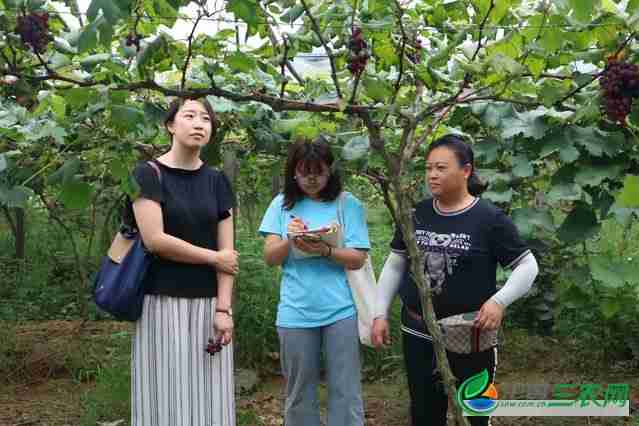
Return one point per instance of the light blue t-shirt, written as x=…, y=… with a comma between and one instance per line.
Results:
x=314, y=291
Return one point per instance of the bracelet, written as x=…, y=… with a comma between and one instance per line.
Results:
x=228, y=311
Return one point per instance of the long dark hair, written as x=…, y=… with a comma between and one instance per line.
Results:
x=175, y=106
x=311, y=154
x=464, y=154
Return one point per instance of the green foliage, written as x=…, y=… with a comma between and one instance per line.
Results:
x=109, y=399
x=519, y=79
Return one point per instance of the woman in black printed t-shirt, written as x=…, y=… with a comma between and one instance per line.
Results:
x=463, y=238
x=183, y=213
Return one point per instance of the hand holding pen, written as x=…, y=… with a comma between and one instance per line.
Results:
x=315, y=247
x=296, y=225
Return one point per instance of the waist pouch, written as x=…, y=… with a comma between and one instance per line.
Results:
x=462, y=337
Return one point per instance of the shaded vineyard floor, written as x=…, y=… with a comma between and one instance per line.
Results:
x=47, y=384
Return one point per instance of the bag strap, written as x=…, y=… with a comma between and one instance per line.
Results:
x=340, y=209
x=157, y=170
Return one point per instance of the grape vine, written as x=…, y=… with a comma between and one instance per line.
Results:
x=359, y=52
x=619, y=85
x=34, y=30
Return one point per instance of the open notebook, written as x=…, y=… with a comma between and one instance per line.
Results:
x=330, y=234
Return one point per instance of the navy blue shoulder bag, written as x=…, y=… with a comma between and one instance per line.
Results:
x=118, y=287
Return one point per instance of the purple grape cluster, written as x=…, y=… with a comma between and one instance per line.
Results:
x=416, y=55
x=34, y=30
x=359, y=52
x=214, y=346
x=619, y=85
x=133, y=40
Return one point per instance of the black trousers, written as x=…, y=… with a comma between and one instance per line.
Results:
x=428, y=400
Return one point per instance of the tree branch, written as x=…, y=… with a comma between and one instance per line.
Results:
x=400, y=15
x=189, y=51
x=328, y=50
x=579, y=88
x=541, y=30
x=12, y=66
x=625, y=43
x=75, y=10
x=407, y=133
x=276, y=103
x=422, y=281
x=384, y=189
x=273, y=38
x=358, y=77
x=43, y=63
x=283, y=65
x=481, y=29
x=411, y=148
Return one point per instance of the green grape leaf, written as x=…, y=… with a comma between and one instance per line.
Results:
x=65, y=173
x=241, y=62
x=610, y=308
x=528, y=220
x=76, y=194
x=377, y=89
x=583, y=9
x=356, y=148
x=528, y=123
x=580, y=224
x=629, y=195
x=14, y=197
x=522, y=167
x=589, y=175
x=606, y=271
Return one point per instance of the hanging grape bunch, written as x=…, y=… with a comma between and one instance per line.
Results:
x=133, y=40
x=359, y=52
x=619, y=85
x=416, y=56
x=214, y=346
x=34, y=30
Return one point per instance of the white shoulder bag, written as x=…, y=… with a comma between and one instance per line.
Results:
x=362, y=282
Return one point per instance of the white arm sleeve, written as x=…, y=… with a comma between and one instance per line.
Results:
x=388, y=283
x=520, y=281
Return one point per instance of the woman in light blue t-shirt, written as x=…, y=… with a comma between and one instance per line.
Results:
x=316, y=311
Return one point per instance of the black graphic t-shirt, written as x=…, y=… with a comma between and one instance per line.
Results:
x=193, y=203
x=461, y=250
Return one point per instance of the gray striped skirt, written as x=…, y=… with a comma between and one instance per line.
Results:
x=174, y=381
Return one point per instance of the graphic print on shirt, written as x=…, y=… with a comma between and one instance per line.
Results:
x=442, y=253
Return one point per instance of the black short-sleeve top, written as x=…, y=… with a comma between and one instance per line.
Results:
x=193, y=203
x=462, y=250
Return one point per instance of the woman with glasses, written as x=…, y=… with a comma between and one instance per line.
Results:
x=316, y=311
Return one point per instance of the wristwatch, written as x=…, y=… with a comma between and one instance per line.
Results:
x=228, y=311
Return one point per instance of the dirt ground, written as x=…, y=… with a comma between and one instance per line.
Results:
x=42, y=393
